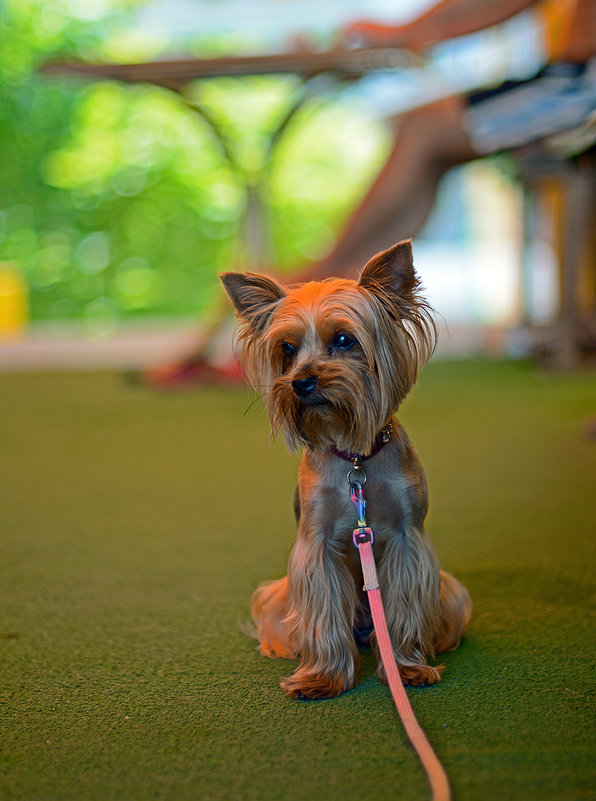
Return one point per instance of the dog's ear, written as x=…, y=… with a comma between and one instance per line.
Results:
x=391, y=271
x=254, y=296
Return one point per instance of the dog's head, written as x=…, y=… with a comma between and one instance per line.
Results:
x=333, y=359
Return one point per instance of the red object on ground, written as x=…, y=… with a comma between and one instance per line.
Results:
x=195, y=374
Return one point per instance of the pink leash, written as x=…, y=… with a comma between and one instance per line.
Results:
x=363, y=539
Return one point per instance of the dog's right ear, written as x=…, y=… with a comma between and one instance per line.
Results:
x=253, y=296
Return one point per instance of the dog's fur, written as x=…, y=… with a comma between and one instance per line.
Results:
x=333, y=360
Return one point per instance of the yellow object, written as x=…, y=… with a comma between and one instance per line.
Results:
x=14, y=301
x=558, y=17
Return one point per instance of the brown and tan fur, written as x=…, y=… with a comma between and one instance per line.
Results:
x=333, y=360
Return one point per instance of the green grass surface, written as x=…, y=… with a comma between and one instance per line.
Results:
x=135, y=526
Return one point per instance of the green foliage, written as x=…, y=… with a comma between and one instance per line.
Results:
x=122, y=200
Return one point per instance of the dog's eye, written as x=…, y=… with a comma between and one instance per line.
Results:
x=288, y=349
x=342, y=341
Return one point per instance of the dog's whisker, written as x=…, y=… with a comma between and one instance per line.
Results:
x=252, y=403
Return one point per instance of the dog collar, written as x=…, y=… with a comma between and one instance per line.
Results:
x=381, y=440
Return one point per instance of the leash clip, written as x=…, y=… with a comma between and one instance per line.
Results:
x=357, y=498
x=362, y=535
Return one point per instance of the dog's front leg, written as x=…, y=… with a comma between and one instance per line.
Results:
x=409, y=580
x=323, y=603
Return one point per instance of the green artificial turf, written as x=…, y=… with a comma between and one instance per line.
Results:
x=135, y=527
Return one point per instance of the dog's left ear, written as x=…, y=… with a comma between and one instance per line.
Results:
x=391, y=271
x=254, y=296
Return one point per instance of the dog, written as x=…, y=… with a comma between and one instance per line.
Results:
x=333, y=360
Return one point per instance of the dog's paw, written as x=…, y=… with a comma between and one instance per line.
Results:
x=307, y=685
x=420, y=675
x=415, y=675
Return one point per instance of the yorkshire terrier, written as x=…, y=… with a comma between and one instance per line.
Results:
x=333, y=360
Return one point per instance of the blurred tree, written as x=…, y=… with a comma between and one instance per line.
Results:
x=119, y=200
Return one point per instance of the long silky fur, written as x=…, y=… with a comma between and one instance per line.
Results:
x=410, y=570
x=397, y=337
x=320, y=620
x=312, y=613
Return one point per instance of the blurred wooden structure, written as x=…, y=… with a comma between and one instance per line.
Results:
x=318, y=72
x=566, y=175
x=176, y=74
x=559, y=179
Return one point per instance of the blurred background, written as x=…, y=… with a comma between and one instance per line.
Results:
x=121, y=200
x=146, y=146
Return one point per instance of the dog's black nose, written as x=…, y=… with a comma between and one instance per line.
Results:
x=304, y=386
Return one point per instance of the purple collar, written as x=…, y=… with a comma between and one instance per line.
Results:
x=381, y=440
